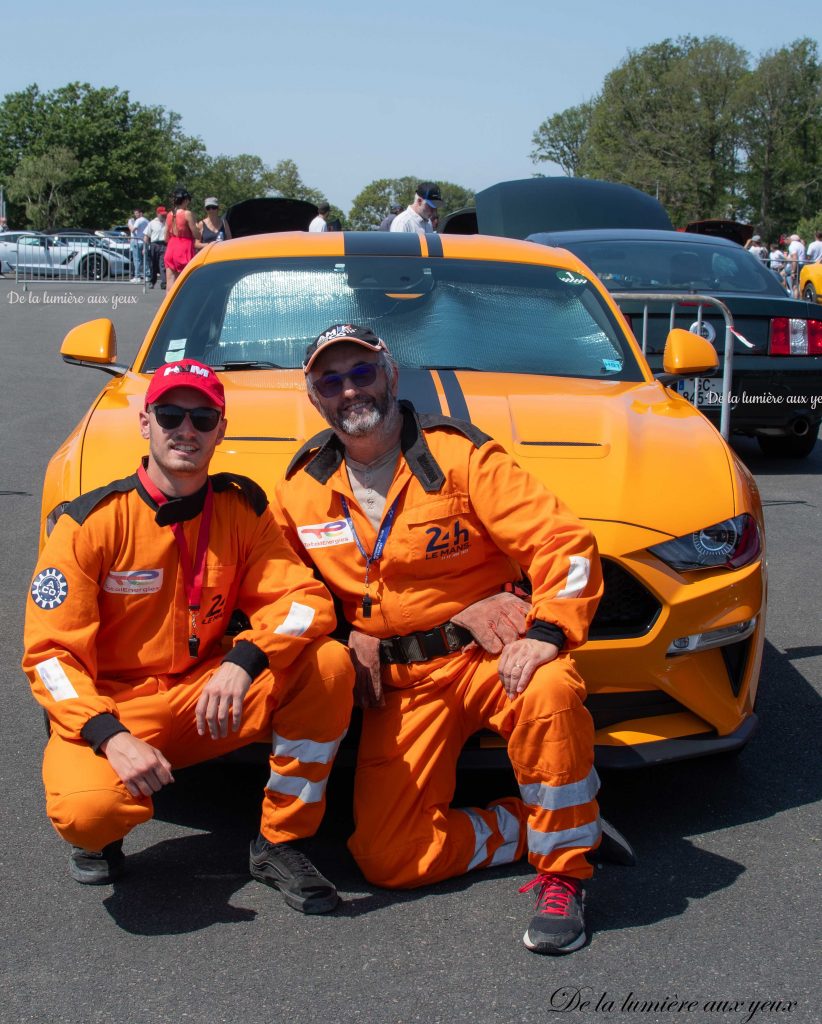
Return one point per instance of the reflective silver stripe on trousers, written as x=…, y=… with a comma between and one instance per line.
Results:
x=305, y=790
x=508, y=826
x=307, y=751
x=555, y=798
x=584, y=836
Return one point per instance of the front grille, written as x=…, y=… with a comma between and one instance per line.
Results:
x=627, y=608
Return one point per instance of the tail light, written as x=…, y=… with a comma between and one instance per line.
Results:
x=790, y=337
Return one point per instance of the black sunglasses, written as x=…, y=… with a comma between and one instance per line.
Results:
x=362, y=375
x=203, y=420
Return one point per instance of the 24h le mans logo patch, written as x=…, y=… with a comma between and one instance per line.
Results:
x=49, y=589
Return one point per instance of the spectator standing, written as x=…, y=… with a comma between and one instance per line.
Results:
x=155, y=235
x=3, y=225
x=796, y=260
x=181, y=234
x=776, y=261
x=319, y=223
x=212, y=227
x=386, y=222
x=814, y=253
x=754, y=245
x=417, y=217
x=136, y=229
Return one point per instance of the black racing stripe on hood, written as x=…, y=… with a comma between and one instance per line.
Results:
x=417, y=386
x=381, y=243
x=457, y=406
x=434, y=243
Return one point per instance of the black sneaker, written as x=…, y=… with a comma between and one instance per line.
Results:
x=286, y=868
x=558, y=926
x=97, y=867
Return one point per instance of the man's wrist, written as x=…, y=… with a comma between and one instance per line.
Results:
x=101, y=728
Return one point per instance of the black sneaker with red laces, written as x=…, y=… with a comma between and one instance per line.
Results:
x=558, y=925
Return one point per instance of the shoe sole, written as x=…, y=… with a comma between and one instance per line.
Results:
x=547, y=950
x=305, y=904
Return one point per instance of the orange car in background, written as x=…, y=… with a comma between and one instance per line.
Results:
x=524, y=342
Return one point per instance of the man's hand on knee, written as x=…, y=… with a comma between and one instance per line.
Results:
x=495, y=621
x=520, y=660
x=142, y=768
x=222, y=695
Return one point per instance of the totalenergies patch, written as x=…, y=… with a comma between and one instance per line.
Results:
x=325, y=535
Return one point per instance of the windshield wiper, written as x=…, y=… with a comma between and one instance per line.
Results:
x=250, y=364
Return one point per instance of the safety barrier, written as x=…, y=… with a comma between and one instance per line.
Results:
x=691, y=299
x=38, y=257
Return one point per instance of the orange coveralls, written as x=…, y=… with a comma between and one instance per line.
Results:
x=106, y=649
x=467, y=522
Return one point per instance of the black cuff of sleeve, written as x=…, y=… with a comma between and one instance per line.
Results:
x=547, y=632
x=98, y=729
x=248, y=656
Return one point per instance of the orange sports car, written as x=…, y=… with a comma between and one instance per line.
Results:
x=524, y=342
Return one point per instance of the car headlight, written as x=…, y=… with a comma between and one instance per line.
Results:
x=727, y=545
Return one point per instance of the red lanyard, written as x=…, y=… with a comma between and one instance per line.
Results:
x=193, y=575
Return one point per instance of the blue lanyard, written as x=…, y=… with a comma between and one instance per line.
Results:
x=376, y=554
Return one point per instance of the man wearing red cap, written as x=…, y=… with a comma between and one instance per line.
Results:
x=124, y=647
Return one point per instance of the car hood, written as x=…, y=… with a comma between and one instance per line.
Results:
x=619, y=451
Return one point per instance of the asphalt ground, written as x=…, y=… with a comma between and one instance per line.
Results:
x=718, y=921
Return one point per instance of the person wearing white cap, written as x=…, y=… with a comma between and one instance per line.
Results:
x=796, y=260
x=212, y=226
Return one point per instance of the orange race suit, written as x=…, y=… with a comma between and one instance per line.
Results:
x=468, y=521
x=107, y=649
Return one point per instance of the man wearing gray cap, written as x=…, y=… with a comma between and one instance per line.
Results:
x=417, y=217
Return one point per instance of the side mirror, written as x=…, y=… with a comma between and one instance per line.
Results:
x=93, y=344
x=688, y=354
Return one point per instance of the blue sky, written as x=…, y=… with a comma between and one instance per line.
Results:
x=362, y=89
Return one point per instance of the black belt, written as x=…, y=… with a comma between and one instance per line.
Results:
x=434, y=643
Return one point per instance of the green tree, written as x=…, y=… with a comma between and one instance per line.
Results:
x=124, y=151
x=561, y=138
x=666, y=122
x=43, y=185
x=376, y=199
x=781, y=134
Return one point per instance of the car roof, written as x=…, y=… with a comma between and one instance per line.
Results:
x=561, y=238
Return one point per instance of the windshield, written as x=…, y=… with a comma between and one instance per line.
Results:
x=469, y=314
x=639, y=265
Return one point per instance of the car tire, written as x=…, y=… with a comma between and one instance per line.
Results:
x=93, y=268
x=809, y=293
x=791, y=446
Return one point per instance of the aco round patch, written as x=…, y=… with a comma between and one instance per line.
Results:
x=49, y=589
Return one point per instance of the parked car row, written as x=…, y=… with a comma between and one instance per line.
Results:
x=68, y=255
x=627, y=239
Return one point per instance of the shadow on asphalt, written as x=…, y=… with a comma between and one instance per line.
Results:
x=185, y=884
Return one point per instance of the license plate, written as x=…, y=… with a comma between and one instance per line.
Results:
x=708, y=391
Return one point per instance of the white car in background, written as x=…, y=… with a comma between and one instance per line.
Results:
x=72, y=256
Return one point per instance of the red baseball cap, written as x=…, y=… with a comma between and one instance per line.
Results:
x=186, y=373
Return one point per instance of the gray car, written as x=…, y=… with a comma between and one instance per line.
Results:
x=32, y=254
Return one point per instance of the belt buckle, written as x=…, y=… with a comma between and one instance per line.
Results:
x=413, y=649
x=452, y=638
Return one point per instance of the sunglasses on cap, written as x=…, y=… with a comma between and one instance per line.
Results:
x=204, y=419
x=362, y=375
